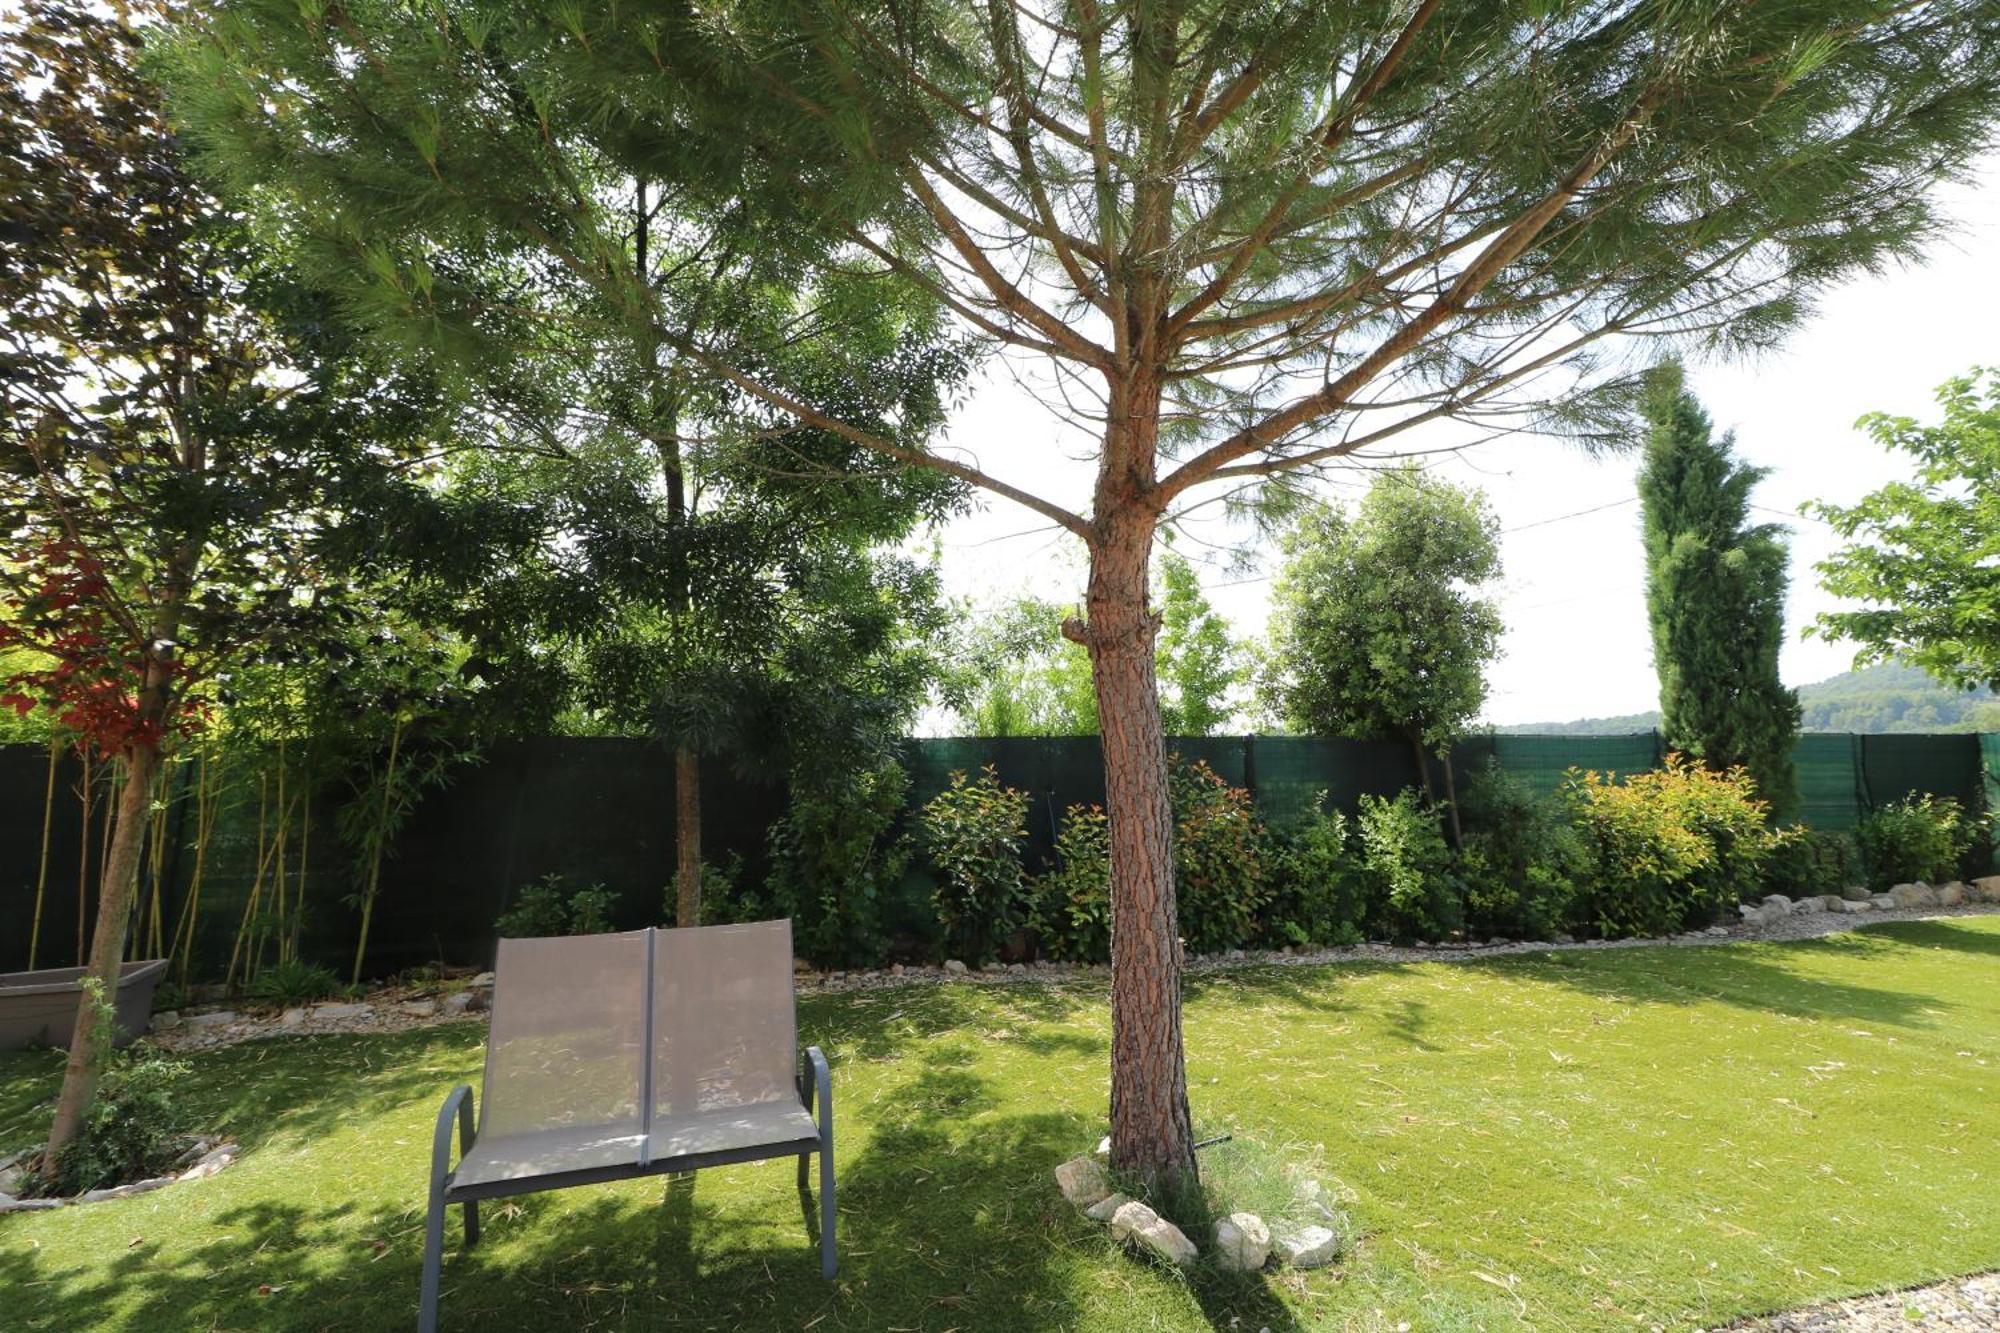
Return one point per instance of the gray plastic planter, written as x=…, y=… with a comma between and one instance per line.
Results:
x=39, y=1008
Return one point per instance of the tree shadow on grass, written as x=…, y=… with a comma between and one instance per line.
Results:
x=1945, y=933
x=1744, y=977
x=881, y=1024
x=948, y=1213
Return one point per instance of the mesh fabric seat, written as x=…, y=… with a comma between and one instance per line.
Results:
x=615, y=1056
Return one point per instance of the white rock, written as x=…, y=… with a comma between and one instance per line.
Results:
x=1918, y=894
x=1082, y=1181
x=1307, y=1247
x=167, y=1018
x=1132, y=1217
x=220, y=1018
x=485, y=979
x=1107, y=1207
x=1883, y=902
x=1986, y=888
x=1812, y=904
x=1950, y=895
x=1717, y=932
x=995, y=966
x=954, y=966
x=211, y=1162
x=291, y=1018
x=457, y=1002
x=31, y=1205
x=1242, y=1242
x=419, y=1008
x=1167, y=1241
x=1753, y=915
x=1778, y=901
x=1852, y=906
x=336, y=1011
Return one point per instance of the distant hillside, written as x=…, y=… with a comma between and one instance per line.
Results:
x=1874, y=701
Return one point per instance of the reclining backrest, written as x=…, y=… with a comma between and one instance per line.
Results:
x=725, y=1029
x=567, y=1045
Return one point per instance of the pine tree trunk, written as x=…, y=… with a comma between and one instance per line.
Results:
x=687, y=837
x=92, y=1042
x=1152, y=1137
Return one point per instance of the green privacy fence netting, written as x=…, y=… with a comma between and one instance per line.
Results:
x=600, y=811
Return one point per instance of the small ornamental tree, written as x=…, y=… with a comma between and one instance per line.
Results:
x=177, y=419
x=1715, y=597
x=1924, y=555
x=1251, y=239
x=1379, y=629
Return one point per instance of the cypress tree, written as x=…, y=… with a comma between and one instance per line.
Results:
x=1715, y=596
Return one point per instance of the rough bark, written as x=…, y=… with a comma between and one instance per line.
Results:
x=1152, y=1136
x=687, y=837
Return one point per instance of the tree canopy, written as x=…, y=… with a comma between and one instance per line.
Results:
x=1924, y=555
x=1381, y=627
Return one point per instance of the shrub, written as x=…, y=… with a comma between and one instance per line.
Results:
x=1808, y=862
x=1411, y=892
x=1070, y=910
x=974, y=831
x=547, y=907
x=1521, y=859
x=1669, y=849
x=1917, y=838
x=290, y=984
x=1219, y=875
x=1316, y=881
x=834, y=860
x=131, y=1132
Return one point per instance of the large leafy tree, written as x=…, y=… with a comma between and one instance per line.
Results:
x=1715, y=596
x=1924, y=555
x=1380, y=626
x=1025, y=679
x=1254, y=239
x=179, y=419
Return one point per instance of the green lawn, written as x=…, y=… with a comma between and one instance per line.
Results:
x=1584, y=1140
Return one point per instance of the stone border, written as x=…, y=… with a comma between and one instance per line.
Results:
x=204, y=1157
x=1967, y=1302
x=396, y=1010
x=1243, y=1242
x=392, y=1010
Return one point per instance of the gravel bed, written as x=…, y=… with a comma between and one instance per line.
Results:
x=395, y=1011
x=1798, y=926
x=1964, y=1303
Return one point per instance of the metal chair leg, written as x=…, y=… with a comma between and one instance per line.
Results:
x=829, y=1258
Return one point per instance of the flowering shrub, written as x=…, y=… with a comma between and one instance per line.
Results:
x=1220, y=881
x=1668, y=850
x=1916, y=838
x=1071, y=913
x=1412, y=892
x=974, y=831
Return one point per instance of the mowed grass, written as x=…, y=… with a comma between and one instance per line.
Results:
x=1587, y=1140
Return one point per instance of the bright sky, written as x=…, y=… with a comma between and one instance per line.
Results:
x=1572, y=594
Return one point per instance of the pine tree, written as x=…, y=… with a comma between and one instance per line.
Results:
x=1715, y=596
x=1249, y=240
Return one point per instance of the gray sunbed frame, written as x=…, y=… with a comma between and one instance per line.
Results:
x=815, y=1085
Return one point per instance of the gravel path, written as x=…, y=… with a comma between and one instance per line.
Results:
x=400, y=1011
x=1965, y=1303
x=1798, y=926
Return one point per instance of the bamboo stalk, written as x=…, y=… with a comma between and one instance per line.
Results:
x=83, y=856
x=256, y=884
x=42, y=869
x=375, y=852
